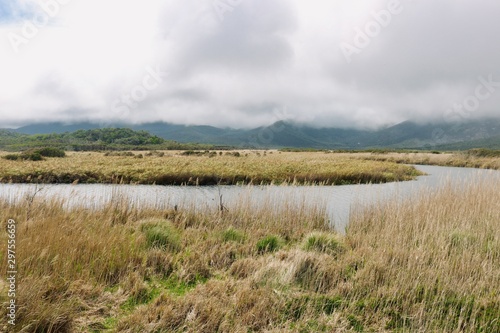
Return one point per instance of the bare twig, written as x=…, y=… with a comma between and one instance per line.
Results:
x=222, y=208
x=30, y=198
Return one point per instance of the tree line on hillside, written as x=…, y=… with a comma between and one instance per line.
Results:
x=92, y=140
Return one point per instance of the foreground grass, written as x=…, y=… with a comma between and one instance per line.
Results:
x=430, y=264
x=226, y=168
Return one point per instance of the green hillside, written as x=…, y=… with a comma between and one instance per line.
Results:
x=93, y=139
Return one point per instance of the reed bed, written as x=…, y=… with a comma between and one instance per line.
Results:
x=459, y=159
x=211, y=168
x=428, y=264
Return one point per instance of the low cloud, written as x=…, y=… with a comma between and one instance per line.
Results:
x=234, y=63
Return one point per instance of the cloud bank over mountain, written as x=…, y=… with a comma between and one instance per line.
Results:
x=244, y=63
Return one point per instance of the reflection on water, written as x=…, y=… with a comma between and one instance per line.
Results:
x=337, y=200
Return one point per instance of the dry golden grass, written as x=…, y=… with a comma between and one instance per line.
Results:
x=431, y=264
x=436, y=260
x=460, y=159
x=208, y=169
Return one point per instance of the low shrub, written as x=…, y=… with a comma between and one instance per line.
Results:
x=51, y=152
x=36, y=155
x=120, y=153
x=25, y=156
x=12, y=157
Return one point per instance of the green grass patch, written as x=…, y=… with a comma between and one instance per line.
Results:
x=112, y=289
x=142, y=296
x=461, y=240
x=355, y=323
x=110, y=323
x=269, y=244
x=325, y=243
x=161, y=234
x=297, y=307
x=107, y=325
x=233, y=235
x=178, y=287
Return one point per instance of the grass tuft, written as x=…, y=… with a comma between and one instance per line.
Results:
x=269, y=244
x=161, y=234
x=233, y=235
x=324, y=243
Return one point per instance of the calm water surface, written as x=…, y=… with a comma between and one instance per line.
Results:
x=337, y=200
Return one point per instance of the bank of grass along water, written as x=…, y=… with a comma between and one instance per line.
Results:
x=474, y=158
x=427, y=264
x=203, y=168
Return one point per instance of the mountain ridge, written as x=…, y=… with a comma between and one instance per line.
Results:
x=405, y=135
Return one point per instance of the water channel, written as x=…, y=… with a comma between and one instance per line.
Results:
x=338, y=201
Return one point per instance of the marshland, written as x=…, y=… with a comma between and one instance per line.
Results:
x=202, y=168
x=231, y=166
x=427, y=262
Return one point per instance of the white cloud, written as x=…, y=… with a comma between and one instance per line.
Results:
x=237, y=70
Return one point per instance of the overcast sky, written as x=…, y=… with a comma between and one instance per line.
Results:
x=245, y=63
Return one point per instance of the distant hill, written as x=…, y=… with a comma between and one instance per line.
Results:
x=91, y=139
x=490, y=143
x=412, y=135
x=407, y=135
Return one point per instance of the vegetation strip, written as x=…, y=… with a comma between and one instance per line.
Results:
x=474, y=158
x=92, y=140
x=203, y=168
